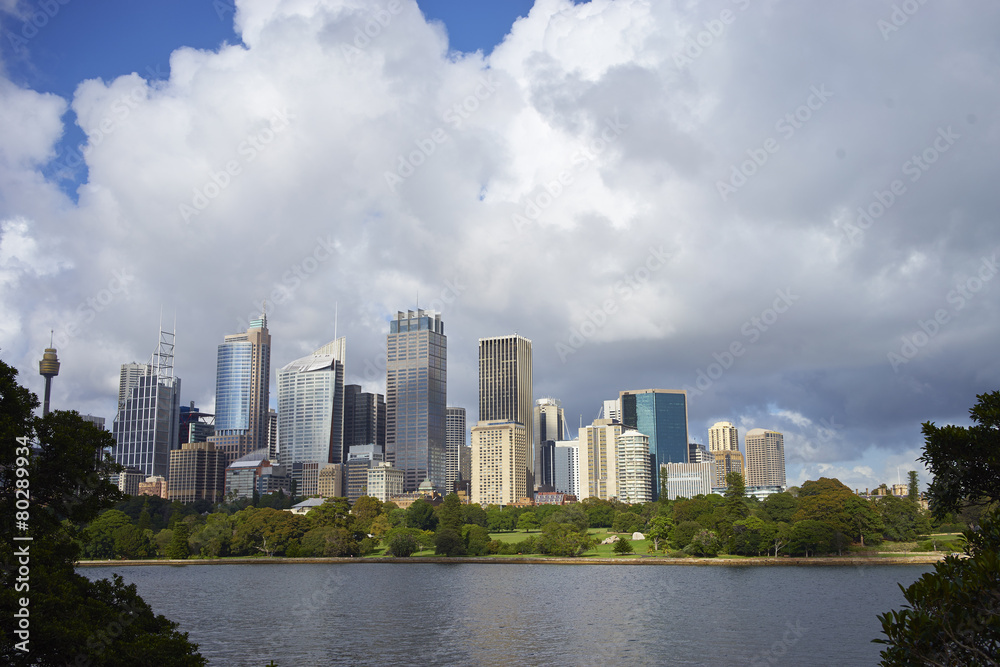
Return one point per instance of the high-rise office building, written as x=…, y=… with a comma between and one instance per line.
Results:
x=197, y=472
x=687, y=480
x=549, y=425
x=598, y=459
x=130, y=378
x=727, y=461
x=765, y=458
x=272, y=434
x=359, y=459
x=147, y=424
x=612, y=409
x=416, y=397
x=697, y=453
x=311, y=408
x=499, y=462
x=567, y=467
x=455, y=445
x=723, y=436
x=505, y=381
x=364, y=418
x=632, y=466
x=660, y=414
x=242, y=385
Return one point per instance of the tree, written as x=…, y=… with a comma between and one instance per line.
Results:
x=477, y=539
x=402, y=546
x=912, y=487
x=563, y=539
x=448, y=542
x=811, y=536
x=865, y=519
x=178, y=547
x=449, y=513
x=954, y=612
x=67, y=487
x=473, y=513
x=704, y=544
x=684, y=532
x=329, y=541
x=623, y=546
x=421, y=515
x=573, y=514
x=781, y=507
x=626, y=522
x=659, y=530
x=527, y=522
x=365, y=510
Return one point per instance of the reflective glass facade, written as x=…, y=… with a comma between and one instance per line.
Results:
x=660, y=414
x=416, y=398
x=146, y=426
x=232, y=387
x=311, y=410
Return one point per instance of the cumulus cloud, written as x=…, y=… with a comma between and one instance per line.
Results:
x=816, y=192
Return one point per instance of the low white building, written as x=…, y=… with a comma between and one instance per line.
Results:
x=687, y=480
x=385, y=481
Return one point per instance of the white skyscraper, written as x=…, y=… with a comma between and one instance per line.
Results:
x=723, y=436
x=765, y=458
x=311, y=407
x=567, y=467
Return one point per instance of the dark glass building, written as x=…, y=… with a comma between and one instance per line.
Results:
x=660, y=414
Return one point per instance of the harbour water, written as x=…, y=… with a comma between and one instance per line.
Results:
x=515, y=614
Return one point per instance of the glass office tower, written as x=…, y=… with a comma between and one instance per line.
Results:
x=660, y=414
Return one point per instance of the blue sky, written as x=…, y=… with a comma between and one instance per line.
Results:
x=114, y=37
x=789, y=210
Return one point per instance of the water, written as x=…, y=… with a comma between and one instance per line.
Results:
x=472, y=614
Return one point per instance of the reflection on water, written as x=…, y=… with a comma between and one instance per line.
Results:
x=430, y=614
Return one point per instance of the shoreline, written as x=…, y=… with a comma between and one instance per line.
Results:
x=828, y=561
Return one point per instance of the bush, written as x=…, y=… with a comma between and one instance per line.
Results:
x=448, y=542
x=623, y=546
x=402, y=545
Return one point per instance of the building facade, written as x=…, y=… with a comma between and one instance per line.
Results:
x=311, y=410
x=197, y=472
x=364, y=418
x=566, y=466
x=765, y=458
x=660, y=414
x=331, y=481
x=598, y=459
x=242, y=391
x=549, y=424
x=723, y=436
x=456, y=447
x=505, y=386
x=148, y=421
x=359, y=459
x=635, y=479
x=727, y=461
x=499, y=462
x=687, y=480
x=416, y=397
x=385, y=481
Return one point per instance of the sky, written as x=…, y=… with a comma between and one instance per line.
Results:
x=788, y=209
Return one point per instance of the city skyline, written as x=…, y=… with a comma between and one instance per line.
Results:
x=791, y=216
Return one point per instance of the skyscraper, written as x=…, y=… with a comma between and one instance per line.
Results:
x=765, y=458
x=416, y=397
x=660, y=414
x=598, y=459
x=635, y=478
x=723, y=436
x=505, y=380
x=148, y=420
x=364, y=418
x=311, y=408
x=499, y=465
x=567, y=467
x=455, y=439
x=549, y=424
x=242, y=381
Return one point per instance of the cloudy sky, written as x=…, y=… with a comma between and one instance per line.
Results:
x=787, y=208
